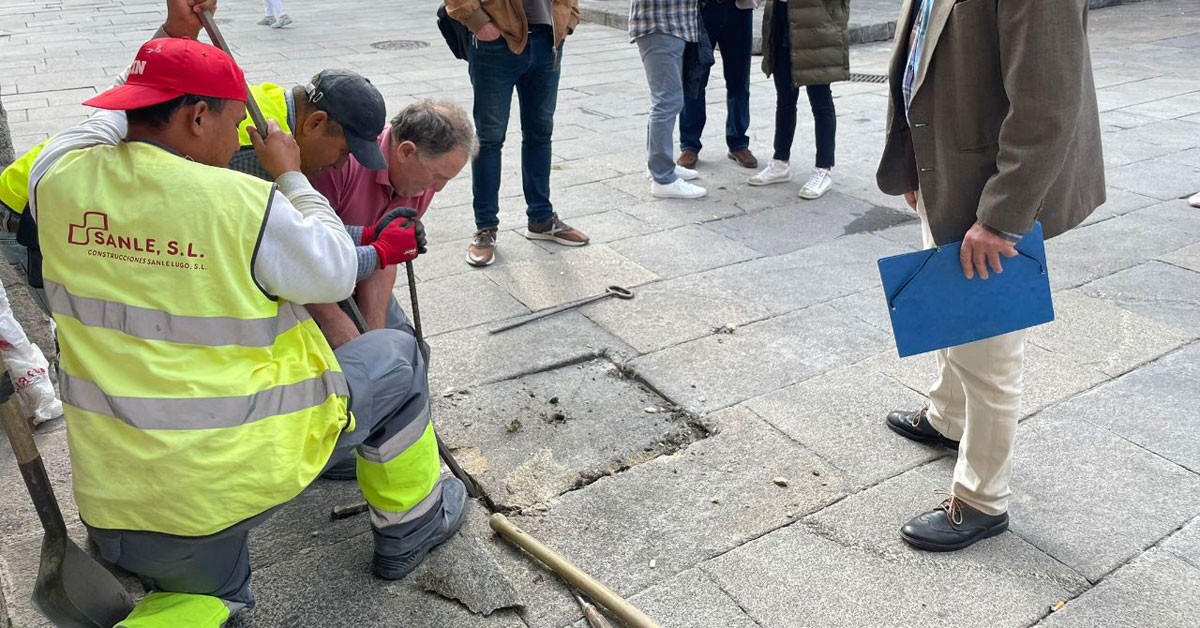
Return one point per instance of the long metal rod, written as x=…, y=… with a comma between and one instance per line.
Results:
x=218, y=40
x=574, y=576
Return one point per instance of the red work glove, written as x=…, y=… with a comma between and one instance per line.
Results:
x=398, y=237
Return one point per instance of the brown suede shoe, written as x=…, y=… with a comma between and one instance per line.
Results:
x=744, y=158
x=688, y=159
x=556, y=230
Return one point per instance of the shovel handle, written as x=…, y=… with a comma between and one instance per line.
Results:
x=30, y=461
x=214, y=34
x=574, y=576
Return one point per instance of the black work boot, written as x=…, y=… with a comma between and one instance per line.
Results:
x=916, y=426
x=952, y=526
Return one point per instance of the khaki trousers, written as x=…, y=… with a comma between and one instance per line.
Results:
x=976, y=400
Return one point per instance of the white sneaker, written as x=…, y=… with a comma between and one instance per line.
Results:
x=687, y=174
x=818, y=184
x=267, y=20
x=775, y=172
x=676, y=189
x=1194, y=200
x=282, y=21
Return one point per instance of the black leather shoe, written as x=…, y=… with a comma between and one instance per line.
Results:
x=916, y=426
x=952, y=526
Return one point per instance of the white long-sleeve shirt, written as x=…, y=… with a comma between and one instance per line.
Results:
x=305, y=256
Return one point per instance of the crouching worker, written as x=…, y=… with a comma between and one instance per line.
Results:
x=198, y=392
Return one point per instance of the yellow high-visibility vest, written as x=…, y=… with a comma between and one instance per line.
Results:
x=14, y=181
x=272, y=102
x=193, y=399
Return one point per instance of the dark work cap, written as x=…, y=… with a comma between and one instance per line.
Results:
x=353, y=102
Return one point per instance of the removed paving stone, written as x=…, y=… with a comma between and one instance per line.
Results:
x=463, y=569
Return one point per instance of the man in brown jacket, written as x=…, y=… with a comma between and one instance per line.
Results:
x=515, y=44
x=992, y=125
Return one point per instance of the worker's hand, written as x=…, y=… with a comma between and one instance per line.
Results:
x=278, y=153
x=183, y=17
x=488, y=32
x=398, y=237
x=911, y=199
x=982, y=248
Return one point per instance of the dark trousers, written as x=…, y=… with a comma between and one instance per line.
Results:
x=732, y=31
x=820, y=97
x=495, y=72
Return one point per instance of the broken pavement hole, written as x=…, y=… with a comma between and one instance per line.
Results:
x=533, y=438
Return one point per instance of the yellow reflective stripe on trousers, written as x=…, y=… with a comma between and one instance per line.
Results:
x=398, y=485
x=177, y=610
x=151, y=324
x=166, y=413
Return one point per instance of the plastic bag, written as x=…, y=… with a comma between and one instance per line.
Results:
x=28, y=367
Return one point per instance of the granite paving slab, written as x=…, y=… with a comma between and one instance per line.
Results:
x=1093, y=251
x=796, y=225
x=442, y=307
x=1163, y=397
x=1156, y=589
x=568, y=276
x=689, y=600
x=1072, y=479
x=18, y=519
x=726, y=368
x=1162, y=292
x=674, y=311
x=1185, y=544
x=658, y=519
x=574, y=424
x=809, y=276
x=683, y=251
x=1096, y=333
x=470, y=357
x=1160, y=178
x=449, y=258
x=839, y=416
x=828, y=571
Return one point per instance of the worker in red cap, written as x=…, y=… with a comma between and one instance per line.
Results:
x=199, y=394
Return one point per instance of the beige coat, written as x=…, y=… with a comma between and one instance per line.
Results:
x=1004, y=127
x=509, y=17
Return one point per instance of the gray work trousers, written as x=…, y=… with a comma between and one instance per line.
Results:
x=387, y=380
x=662, y=57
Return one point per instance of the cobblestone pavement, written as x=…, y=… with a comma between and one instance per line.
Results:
x=641, y=438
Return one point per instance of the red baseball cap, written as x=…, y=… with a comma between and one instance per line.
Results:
x=169, y=68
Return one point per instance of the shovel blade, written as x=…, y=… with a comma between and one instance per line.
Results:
x=73, y=590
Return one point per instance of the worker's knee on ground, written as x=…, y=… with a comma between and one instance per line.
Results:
x=177, y=610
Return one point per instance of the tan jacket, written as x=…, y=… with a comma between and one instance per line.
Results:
x=1004, y=126
x=509, y=17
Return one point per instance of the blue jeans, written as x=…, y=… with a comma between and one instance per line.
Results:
x=662, y=57
x=732, y=30
x=495, y=71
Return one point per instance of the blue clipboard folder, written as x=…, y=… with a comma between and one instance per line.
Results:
x=933, y=306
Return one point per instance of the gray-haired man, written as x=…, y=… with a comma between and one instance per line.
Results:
x=425, y=146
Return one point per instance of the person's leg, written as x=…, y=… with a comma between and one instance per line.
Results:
x=786, y=94
x=694, y=114
x=820, y=99
x=537, y=93
x=947, y=411
x=193, y=581
x=268, y=6
x=413, y=508
x=494, y=71
x=737, y=42
x=662, y=58
x=990, y=370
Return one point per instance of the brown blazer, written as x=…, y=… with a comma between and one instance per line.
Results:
x=1004, y=125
